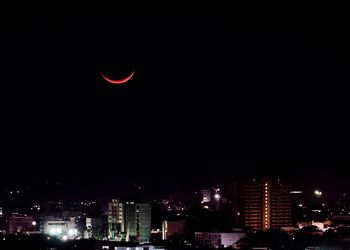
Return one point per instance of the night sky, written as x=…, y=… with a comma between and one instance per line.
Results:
x=209, y=101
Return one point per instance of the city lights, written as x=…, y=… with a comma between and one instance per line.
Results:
x=318, y=193
x=55, y=231
x=72, y=232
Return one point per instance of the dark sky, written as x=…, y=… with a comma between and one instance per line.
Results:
x=209, y=101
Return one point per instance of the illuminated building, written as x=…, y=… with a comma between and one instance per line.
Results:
x=215, y=240
x=21, y=224
x=206, y=194
x=217, y=198
x=115, y=219
x=61, y=228
x=138, y=222
x=267, y=204
x=3, y=224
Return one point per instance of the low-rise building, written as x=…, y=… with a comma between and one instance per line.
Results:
x=22, y=224
x=61, y=228
x=217, y=239
x=173, y=228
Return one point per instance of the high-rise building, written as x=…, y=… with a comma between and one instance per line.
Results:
x=253, y=204
x=138, y=222
x=281, y=205
x=236, y=203
x=267, y=204
x=96, y=227
x=116, y=225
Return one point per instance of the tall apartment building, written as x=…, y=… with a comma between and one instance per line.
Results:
x=267, y=204
x=236, y=203
x=116, y=226
x=138, y=221
x=129, y=221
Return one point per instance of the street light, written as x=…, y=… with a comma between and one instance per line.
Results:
x=318, y=193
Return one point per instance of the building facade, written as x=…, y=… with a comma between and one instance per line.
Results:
x=267, y=204
x=116, y=225
x=253, y=204
x=206, y=196
x=173, y=229
x=138, y=222
x=21, y=224
x=236, y=203
x=96, y=228
x=216, y=240
x=65, y=229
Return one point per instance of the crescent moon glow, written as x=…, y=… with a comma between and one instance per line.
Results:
x=120, y=81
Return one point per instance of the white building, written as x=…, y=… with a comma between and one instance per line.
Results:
x=61, y=228
x=216, y=240
x=116, y=219
x=206, y=196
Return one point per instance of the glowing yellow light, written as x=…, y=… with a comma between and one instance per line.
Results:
x=318, y=193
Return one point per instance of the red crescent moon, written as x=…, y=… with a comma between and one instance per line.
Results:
x=120, y=81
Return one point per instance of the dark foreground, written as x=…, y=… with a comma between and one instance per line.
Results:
x=44, y=242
